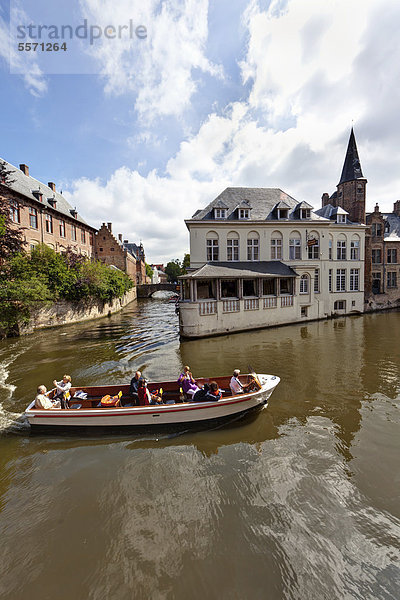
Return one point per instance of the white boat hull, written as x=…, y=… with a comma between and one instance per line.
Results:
x=155, y=416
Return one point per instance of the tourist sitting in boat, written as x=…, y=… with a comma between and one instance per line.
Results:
x=237, y=387
x=144, y=396
x=134, y=385
x=209, y=393
x=43, y=401
x=62, y=387
x=187, y=382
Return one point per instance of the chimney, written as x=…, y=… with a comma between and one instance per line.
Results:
x=376, y=209
x=396, y=208
x=325, y=199
x=24, y=169
x=52, y=186
x=120, y=237
x=109, y=227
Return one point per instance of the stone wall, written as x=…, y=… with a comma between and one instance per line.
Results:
x=64, y=313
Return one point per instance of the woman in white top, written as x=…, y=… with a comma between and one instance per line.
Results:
x=62, y=386
x=43, y=401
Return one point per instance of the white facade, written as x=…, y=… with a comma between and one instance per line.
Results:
x=328, y=276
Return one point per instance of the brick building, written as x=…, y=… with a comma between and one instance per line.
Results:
x=126, y=256
x=382, y=239
x=44, y=214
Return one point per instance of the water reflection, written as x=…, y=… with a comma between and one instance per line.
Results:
x=300, y=502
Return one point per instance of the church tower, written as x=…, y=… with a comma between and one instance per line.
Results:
x=351, y=189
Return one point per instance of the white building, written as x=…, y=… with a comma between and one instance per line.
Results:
x=261, y=258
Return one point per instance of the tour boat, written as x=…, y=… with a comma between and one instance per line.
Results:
x=176, y=411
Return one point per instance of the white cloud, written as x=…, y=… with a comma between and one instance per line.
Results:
x=161, y=69
x=24, y=63
x=311, y=67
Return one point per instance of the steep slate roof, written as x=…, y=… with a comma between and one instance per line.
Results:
x=330, y=212
x=352, y=167
x=263, y=201
x=394, y=226
x=270, y=268
x=25, y=185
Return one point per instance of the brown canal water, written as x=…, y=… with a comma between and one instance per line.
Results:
x=301, y=502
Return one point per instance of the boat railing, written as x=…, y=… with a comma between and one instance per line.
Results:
x=230, y=306
x=251, y=304
x=208, y=308
x=270, y=302
x=286, y=301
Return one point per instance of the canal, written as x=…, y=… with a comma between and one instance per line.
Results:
x=301, y=502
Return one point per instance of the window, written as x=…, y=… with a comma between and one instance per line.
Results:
x=330, y=250
x=341, y=218
x=360, y=189
x=330, y=280
x=340, y=305
x=244, y=213
x=285, y=286
x=376, y=256
x=14, y=211
x=233, y=249
x=354, y=250
x=376, y=282
x=252, y=249
x=91, y=239
x=392, y=256
x=354, y=280
x=340, y=280
x=341, y=250
x=62, y=228
x=220, y=213
x=73, y=232
x=316, y=281
x=295, y=249
x=304, y=284
x=206, y=289
x=249, y=287
x=313, y=248
x=83, y=236
x=112, y=249
x=268, y=287
x=101, y=249
x=49, y=224
x=305, y=213
x=33, y=217
x=212, y=250
x=391, y=279
x=276, y=249
x=283, y=213
x=229, y=288
x=303, y=311
x=376, y=229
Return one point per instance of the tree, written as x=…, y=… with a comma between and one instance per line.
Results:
x=173, y=270
x=11, y=238
x=149, y=271
x=185, y=263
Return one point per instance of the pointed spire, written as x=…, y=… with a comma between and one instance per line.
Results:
x=352, y=167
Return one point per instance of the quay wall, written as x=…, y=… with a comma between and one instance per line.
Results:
x=64, y=313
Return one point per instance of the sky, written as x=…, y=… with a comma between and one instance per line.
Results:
x=142, y=132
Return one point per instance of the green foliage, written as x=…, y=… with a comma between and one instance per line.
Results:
x=185, y=263
x=149, y=271
x=173, y=270
x=44, y=275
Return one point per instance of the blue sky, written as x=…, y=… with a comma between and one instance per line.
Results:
x=247, y=93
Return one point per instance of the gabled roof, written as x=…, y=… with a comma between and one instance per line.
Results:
x=304, y=205
x=220, y=204
x=330, y=212
x=271, y=268
x=352, y=167
x=263, y=201
x=26, y=185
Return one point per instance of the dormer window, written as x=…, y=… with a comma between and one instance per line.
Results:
x=244, y=213
x=305, y=213
x=38, y=195
x=283, y=213
x=220, y=213
x=52, y=202
x=341, y=218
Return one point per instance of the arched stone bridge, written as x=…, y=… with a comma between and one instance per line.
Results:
x=146, y=290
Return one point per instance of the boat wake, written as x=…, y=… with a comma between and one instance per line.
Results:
x=10, y=422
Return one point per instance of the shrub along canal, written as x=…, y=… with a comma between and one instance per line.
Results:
x=300, y=502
